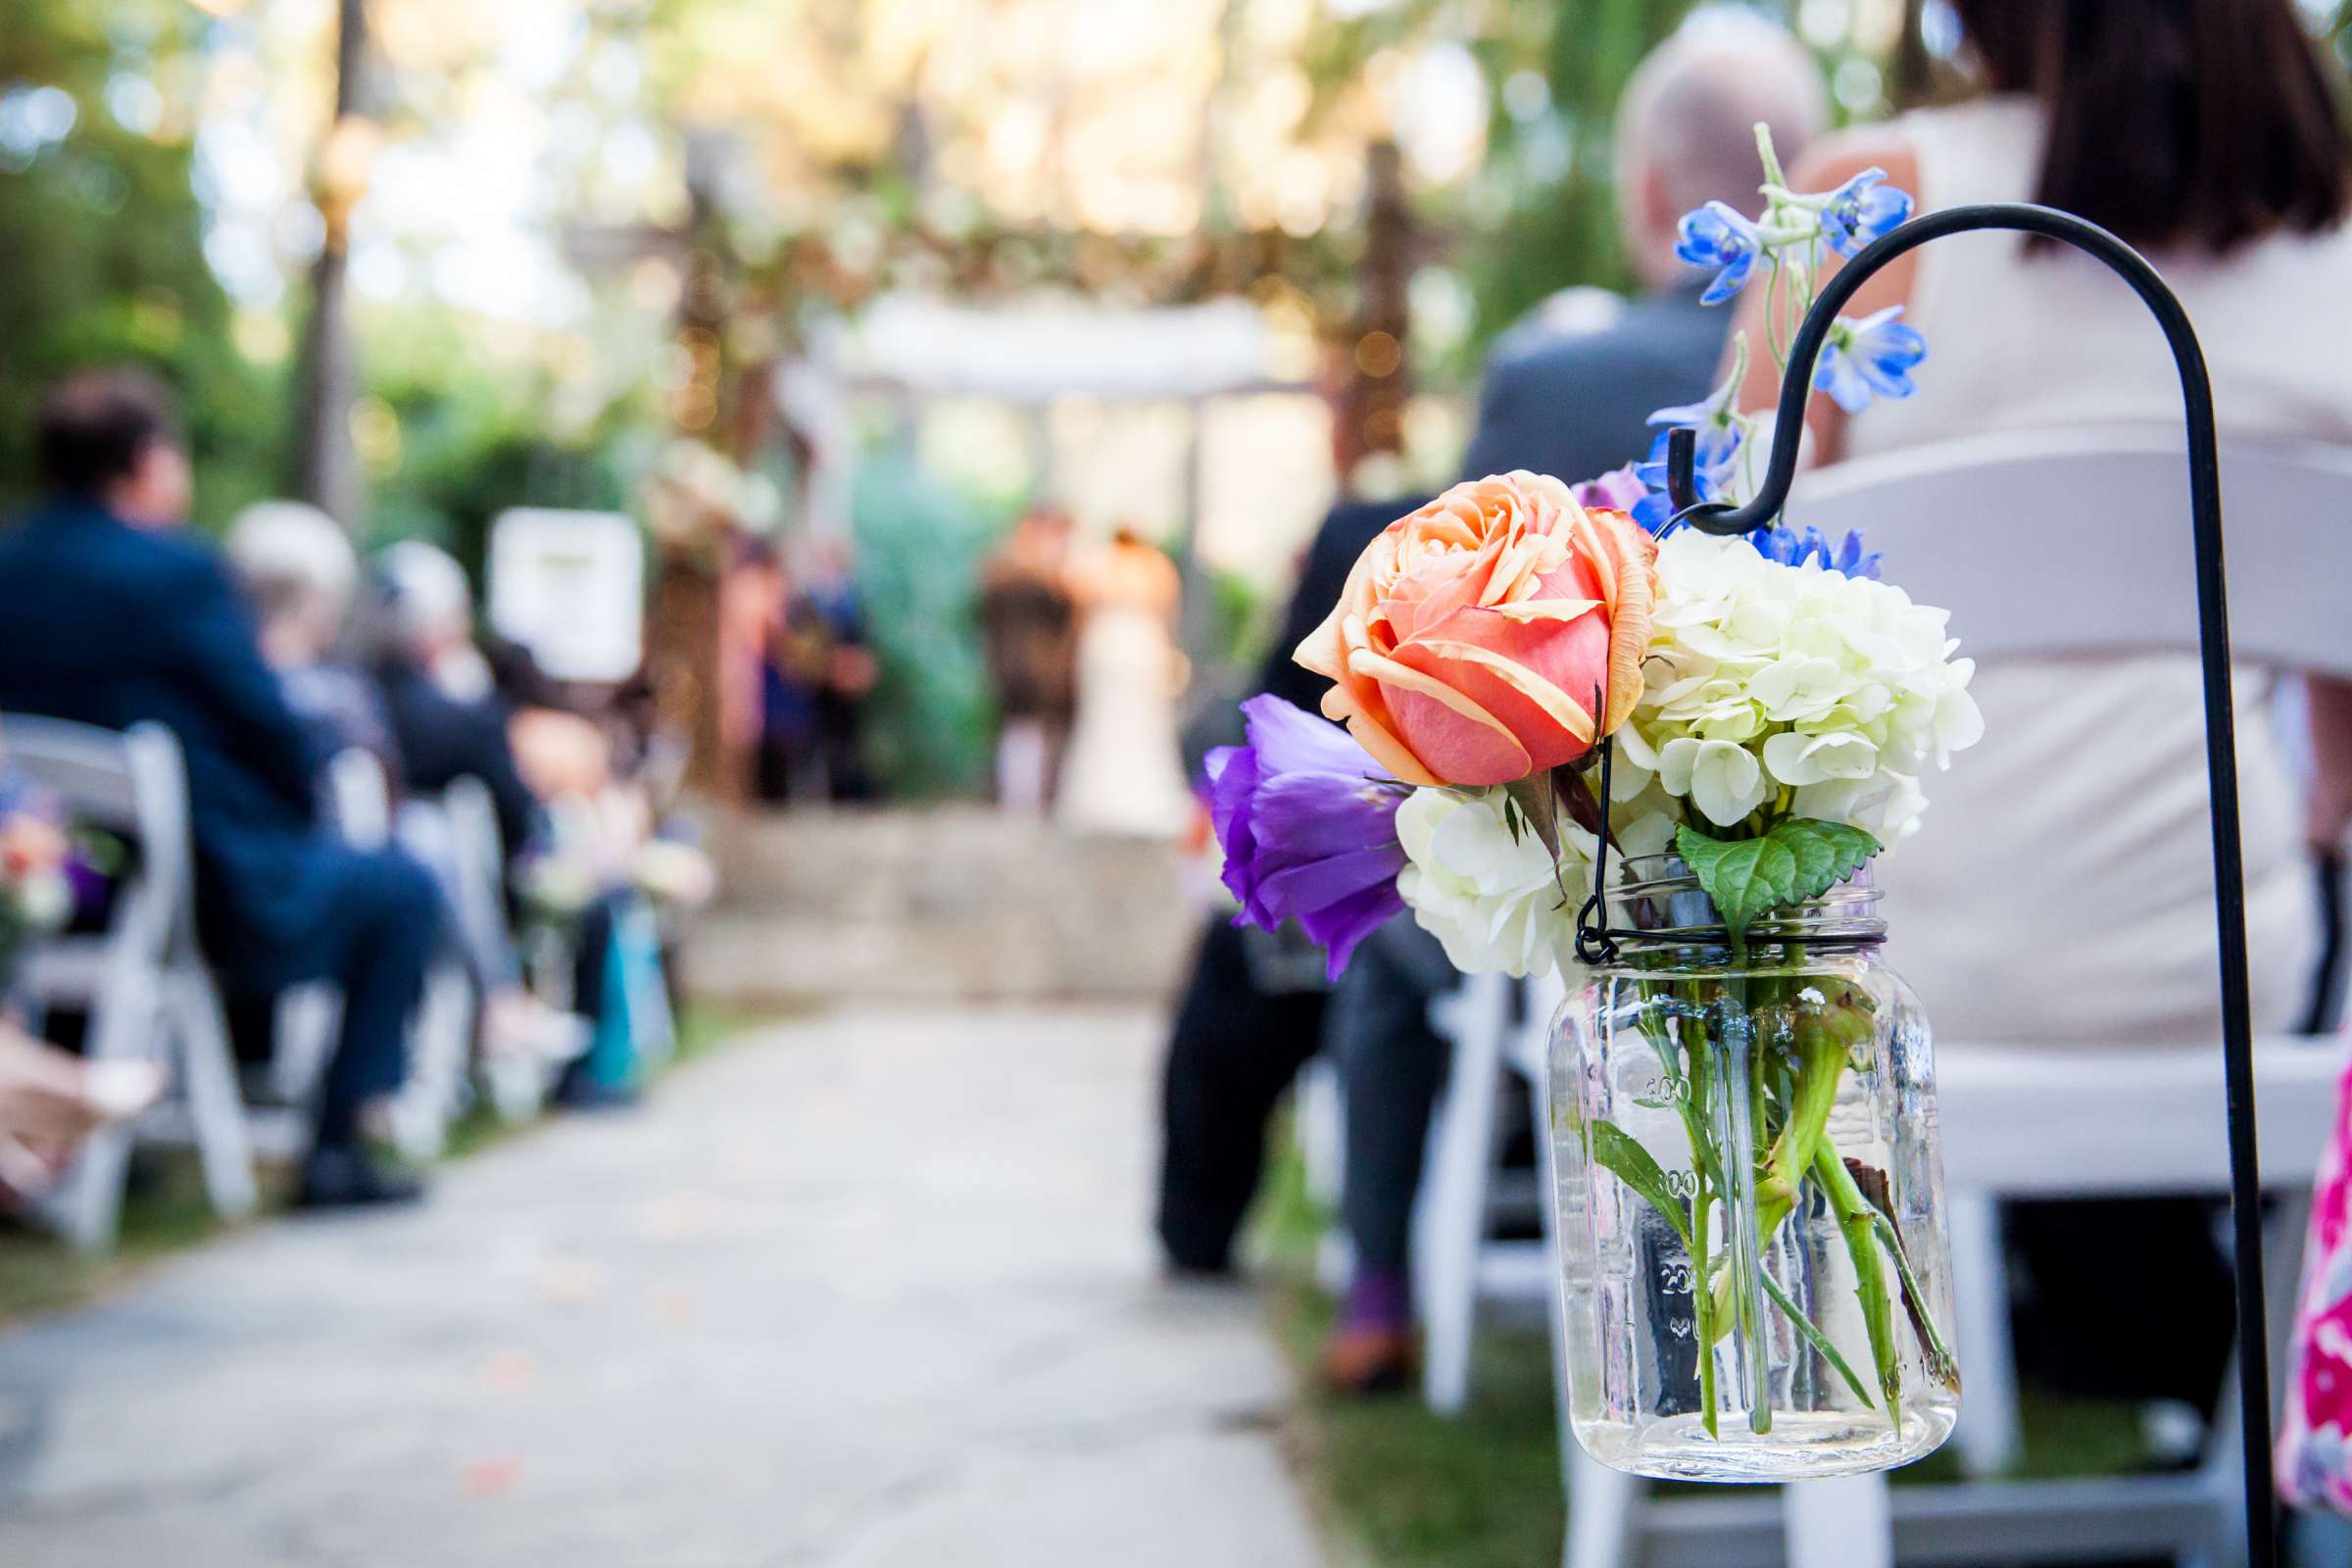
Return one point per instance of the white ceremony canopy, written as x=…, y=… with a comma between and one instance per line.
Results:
x=1036, y=353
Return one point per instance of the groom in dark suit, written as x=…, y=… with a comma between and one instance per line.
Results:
x=109, y=617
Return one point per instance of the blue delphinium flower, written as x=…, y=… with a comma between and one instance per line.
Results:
x=1792, y=549
x=1712, y=480
x=1716, y=417
x=1715, y=235
x=1308, y=824
x=1874, y=355
x=1861, y=210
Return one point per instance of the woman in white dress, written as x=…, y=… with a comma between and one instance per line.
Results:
x=1125, y=775
x=2065, y=886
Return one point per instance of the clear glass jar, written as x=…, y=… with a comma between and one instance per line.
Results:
x=1751, y=1197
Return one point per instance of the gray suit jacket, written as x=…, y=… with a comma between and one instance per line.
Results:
x=1573, y=404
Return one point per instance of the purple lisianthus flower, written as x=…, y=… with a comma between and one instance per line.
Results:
x=1792, y=549
x=1861, y=210
x=1308, y=824
x=1618, y=490
x=1870, y=357
x=1716, y=235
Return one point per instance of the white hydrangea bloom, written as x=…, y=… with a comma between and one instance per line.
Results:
x=1794, y=687
x=1495, y=901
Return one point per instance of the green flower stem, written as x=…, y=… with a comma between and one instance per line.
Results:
x=1814, y=1337
x=1855, y=1221
x=1702, y=1300
x=1735, y=1129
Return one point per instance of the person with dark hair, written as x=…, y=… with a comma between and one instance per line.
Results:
x=1251, y=1011
x=108, y=617
x=2209, y=133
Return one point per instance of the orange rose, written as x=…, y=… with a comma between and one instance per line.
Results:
x=1476, y=636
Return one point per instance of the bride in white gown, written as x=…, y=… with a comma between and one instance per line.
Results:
x=1124, y=776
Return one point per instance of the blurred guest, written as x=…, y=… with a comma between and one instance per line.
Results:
x=448, y=717
x=1124, y=776
x=51, y=1100
x=1250, y=1015
x=110, y=617
x=1028, y=631
x=752, y=601
x=1568, y=391
x=2210, y=134
x=300, y=574
x=831, y=610
x=1567, y=394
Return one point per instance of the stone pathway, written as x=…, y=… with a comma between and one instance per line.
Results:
x=865, y=1291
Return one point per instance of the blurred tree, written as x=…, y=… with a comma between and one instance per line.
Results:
x=1561, y=222
x=927, y=724
x=103, y=239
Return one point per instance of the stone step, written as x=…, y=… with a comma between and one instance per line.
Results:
x=944, y=904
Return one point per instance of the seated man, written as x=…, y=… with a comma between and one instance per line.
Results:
x=108, y=617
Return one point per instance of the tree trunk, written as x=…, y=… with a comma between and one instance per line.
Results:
x=327, y=466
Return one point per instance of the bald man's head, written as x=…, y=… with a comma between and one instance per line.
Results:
x=1686, y=129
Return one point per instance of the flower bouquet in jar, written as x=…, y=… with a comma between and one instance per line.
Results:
x=37, y=894
x=1538, y=680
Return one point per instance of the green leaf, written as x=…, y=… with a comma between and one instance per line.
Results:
x=1798, y=860
x=1616, y=1151
x=1815, y=1338
x=1827, y=852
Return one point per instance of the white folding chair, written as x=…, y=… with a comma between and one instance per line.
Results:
x=1458, y=1268
x=359, y=802
x=2109, y=508
x=141, y=982
x=2013, y=1127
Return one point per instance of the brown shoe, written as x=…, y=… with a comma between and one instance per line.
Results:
x=1368, y=1358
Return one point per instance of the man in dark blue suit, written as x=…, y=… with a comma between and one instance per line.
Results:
x=108, y=618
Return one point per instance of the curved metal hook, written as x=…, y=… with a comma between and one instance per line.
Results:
x=2221, y=735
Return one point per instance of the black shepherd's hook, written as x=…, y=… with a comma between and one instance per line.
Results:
x=2221, y=730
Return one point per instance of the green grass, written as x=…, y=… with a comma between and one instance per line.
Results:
x=1399, y=1487
x=166, y=1210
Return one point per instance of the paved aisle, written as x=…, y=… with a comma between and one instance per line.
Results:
x=867, y=1291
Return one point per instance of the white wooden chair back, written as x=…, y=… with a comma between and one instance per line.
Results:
x=128, y=784
x=141, y=982
x=2058, y=544
x=479, y=853
x=359, y=798
x=2055, y=543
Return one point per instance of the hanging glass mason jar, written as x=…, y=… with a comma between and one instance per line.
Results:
x=1751, y=1206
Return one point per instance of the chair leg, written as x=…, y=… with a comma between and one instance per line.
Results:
x=1989, y=1436
x=307, y=1017
x=1451, y=1220
x=209, y=1076
x=1605, y=1511
x=89, y=1206
x=1847, y=1521
x=2283, y=1229
x=433, y=1095
x=1604, y=1505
